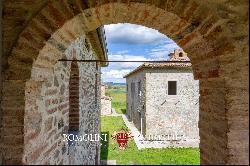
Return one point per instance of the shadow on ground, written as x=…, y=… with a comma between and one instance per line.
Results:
x=104, y=146
x=123, y=111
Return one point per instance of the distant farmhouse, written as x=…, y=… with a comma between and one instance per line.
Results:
x=106, y=108
x=163, y=99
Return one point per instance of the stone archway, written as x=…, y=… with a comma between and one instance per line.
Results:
x=215, y=34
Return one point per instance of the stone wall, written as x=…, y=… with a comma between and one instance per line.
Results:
x=103, y=90
x=47, y=113
x=106, y=108
x=176, y=115
x=156, y=113
x=89, y=99
x=136, y=105
x=46, y=118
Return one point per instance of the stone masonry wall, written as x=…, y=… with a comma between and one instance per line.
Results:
x=87, y=152
x=177, y=115
x=103, y=90
x=47, y=112
x=106, y=108
x=172, y=114
x=46, y=118
x=136, y=104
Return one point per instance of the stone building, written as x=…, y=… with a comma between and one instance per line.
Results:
x=163, y=99
x=36, y=33
x=106, y=108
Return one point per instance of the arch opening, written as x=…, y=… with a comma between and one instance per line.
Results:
x=159, y=103
x=213, y=39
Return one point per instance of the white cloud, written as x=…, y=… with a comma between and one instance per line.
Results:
x=116, y=70
x=126, y=57
x=161, y=51
x=132, y=34
x=122, y=52
x=158, y=48
x=114, y=74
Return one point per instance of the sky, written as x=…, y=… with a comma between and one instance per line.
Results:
x=133, y=42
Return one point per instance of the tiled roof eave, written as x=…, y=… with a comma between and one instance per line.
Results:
x=161, y=66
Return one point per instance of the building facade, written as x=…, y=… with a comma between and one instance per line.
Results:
x=163, y=99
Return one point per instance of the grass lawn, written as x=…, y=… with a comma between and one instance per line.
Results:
x=118, y=99
x=131, y=155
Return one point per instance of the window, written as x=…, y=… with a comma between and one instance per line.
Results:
x=180, y=54
x=172, y=87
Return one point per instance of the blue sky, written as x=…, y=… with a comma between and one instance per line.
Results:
x=133, y=42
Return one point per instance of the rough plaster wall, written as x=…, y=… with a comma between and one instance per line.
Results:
x=138, y=101
x=49, y=101
x=180, y=113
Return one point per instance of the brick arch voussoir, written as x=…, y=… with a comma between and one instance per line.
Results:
x=183, y=18
x=45, y=26
x=33, y=38
x=200, y=33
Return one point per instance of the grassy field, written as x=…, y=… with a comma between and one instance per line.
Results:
x=118, y=99
x=110, y=150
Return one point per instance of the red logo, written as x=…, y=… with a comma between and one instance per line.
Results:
x=121, y=138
